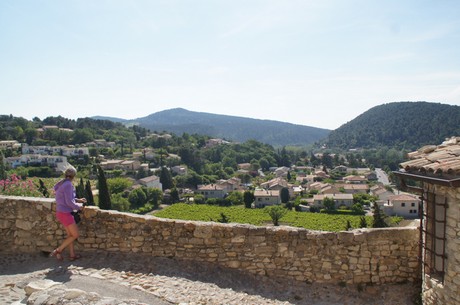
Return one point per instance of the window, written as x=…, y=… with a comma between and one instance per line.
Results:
x=434, y=210
x=403, y=204
x=412, y=204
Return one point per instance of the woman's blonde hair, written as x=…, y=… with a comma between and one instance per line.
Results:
x=70, y=172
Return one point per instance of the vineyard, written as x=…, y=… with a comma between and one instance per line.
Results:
x=258, y=217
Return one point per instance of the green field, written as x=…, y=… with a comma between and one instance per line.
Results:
x=258, y=217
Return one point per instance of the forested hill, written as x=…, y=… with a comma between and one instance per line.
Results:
x=408, y=125
x=233, y=128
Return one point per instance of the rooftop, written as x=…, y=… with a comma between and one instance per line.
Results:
x=441, y=160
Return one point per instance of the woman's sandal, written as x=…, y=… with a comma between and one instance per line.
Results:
x=57, y=253
x=75, y=257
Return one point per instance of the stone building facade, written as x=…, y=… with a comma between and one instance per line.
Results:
x=436, y=169
x=359, y=257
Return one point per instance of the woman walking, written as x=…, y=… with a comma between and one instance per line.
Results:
x=65, y=204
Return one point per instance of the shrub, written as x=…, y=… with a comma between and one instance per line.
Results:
x=15, y=186
x=276, y=212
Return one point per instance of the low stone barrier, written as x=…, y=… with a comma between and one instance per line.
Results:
x=365, y=256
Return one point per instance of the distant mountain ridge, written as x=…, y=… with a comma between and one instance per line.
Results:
x=408, y=125
x=179, y=121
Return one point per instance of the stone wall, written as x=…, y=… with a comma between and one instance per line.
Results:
x=436, y=291
x=366, y=256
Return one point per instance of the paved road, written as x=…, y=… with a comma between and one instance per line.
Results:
x=382, y=176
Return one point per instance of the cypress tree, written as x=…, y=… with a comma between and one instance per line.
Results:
x=89, y=193
x=348, y=226
x=80, y=189
x=362, y=222
x=104, y=194
x=2, y=167
x=166, y=178
x=379, y=217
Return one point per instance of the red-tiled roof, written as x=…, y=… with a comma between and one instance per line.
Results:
x=443, y=159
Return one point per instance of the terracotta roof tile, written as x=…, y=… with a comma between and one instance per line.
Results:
x=439, y=160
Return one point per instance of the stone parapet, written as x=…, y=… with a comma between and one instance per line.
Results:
x=365, y=256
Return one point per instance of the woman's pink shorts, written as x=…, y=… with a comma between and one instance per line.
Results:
x=65, y=218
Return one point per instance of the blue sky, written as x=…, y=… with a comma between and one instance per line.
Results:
x=318, y=63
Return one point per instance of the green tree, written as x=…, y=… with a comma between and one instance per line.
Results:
x=284, y=194
x=80, y=189
x=329, y=204
x=42, y=188
x=362, y=222
x=104, y=195
x=378, y=217
x=120, y=203
x=2, y=167
x=137, y=198
x=264, y=164
x=175, y=195
x=248, y=199
x=154, y=196
x=348, y=226
x=166, y=178
x=118, y=184
x=89, y=193
x=276, y=212
x=357, y=208
x=235, y=197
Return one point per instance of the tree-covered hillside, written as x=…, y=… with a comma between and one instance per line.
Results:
x=232, y=128
x=406, y=125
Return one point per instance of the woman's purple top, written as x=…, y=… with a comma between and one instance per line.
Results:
x=65, y=197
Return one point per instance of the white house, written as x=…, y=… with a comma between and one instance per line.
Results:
x=75, y=152
x=179, y=169
x=151, y=181
x=403, y=205
x=265, y=198
x=211, y=191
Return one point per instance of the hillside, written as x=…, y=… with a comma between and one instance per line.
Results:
x=233, y=128
x=408, y=125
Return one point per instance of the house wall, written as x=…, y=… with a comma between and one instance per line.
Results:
x=263, y=201
x=448, y=292
x=405, y=211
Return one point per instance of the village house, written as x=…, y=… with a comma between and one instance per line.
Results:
x=211, y=191
x=437, y=169
x=275, y=184
x=245, y=166
x=329, y=189
x=321, y=174
x=56, y=162
x=230, y=185
x=353, y=179
x=339, y=200
x=111, y=164
x=317, y=186
x=341, y=169
x=130, y=165
x=214, y=142
x=281, y=171
x=9, y=144
x=263, y=198
x=151, y=181
x=101, y=143
x=354, y=188
x=179, y=170
x=381, y=192
x=403, y=205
